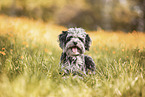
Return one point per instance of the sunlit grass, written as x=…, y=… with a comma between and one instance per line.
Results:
x=29, y=62
x=129, y=40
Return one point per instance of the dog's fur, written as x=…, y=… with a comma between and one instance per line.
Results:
x=74, y=43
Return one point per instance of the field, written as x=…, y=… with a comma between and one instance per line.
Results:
x=29, y=62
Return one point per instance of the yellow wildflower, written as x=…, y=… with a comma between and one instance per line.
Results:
x=46, y=50
x=27, y=46
x=3, y=53
x=24, y=43
x=113, y=52
x=22, y=57
x=122, y=50
x=3, y=48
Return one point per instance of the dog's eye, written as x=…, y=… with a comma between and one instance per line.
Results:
x=81, y=39
x=69, y=38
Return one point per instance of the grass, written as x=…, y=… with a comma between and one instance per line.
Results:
x=29, y=62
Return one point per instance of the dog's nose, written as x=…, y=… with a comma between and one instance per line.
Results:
x=75, y=43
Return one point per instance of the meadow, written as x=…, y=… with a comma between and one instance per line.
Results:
x=30, y=54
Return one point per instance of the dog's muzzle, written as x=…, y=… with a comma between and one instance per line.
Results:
x=75, y=50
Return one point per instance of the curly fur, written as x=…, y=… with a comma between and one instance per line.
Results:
x=74, y=43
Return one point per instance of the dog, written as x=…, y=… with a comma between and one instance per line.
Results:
x=74, y=43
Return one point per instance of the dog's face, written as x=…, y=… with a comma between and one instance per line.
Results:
x=74, y=41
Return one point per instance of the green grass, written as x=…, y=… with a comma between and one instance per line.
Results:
x=30, y=71
x=30, y=68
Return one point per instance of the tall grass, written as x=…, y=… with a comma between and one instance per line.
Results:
x=29, y=62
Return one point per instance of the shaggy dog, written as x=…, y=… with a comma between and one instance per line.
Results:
x=74, y=43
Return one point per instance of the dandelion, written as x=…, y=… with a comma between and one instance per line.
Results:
x=141, y=48
x=23, y=48
x=113, y=52
x=100, y=47
x=46, y=50
x=3, y=53
x=27, y=46
x=122, y=50
x=22, y=57
x=3, y=49
x=24, y=43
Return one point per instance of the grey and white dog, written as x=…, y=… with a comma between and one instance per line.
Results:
x=74, y=43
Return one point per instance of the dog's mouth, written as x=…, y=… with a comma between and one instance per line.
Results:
x=76, y=50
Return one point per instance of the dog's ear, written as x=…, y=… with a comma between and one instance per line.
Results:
x=87, y=42
x=62, y=38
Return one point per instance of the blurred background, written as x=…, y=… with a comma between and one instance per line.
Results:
x=111, y=15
